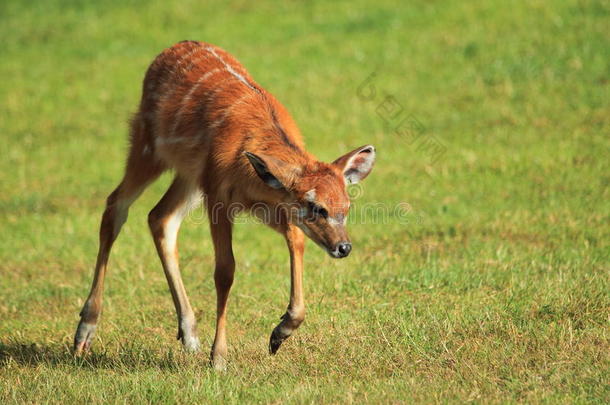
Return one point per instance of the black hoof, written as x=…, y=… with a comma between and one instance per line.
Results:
x=275, y=342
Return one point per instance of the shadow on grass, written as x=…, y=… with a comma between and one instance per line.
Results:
x=127, y=357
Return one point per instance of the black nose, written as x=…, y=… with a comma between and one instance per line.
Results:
x=344, y=248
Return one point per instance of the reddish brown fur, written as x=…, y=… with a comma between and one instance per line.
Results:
x=199, y=114
x=249, y=126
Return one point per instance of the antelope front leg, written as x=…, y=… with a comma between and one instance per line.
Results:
x=295, y=314
x=221, y=227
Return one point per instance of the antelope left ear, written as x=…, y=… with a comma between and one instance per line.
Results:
x=273, y=172
x=357, y=164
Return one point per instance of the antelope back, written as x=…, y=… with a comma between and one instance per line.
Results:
x=200, y=110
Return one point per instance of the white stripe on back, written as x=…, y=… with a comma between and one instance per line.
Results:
x=231, y=70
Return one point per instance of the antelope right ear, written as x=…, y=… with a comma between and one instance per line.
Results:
x=357, y=164
x=273, y=172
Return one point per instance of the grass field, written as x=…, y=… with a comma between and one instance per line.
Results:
x=482, y=274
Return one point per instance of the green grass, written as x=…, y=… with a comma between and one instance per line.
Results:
x=494, y=287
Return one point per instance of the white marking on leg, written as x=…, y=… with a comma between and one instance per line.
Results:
x=168, y=245
x=189, y=339
x=172, y=225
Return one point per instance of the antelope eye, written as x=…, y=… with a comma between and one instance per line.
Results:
x=318, y=211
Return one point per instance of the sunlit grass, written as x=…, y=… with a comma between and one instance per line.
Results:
x=492, y=288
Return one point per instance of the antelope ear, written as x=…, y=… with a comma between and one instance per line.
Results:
x=273, y=172
x=357, y=164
